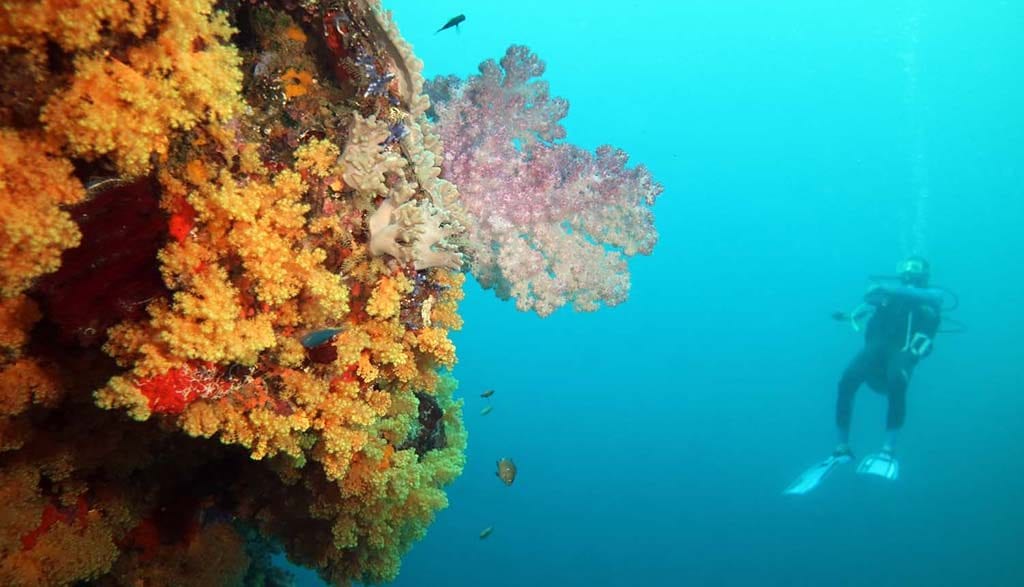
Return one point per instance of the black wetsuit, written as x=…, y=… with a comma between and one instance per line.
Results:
x=888, y=358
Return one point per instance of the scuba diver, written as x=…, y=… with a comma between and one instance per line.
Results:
x=900, y=320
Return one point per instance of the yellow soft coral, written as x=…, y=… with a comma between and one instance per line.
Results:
x=127, y=109
x=75, y=25
x=435, y=342
x=205, y=323
x=319, y=157
x=445, y=312
x=216, y=556
x=396, y=485
x=121, y=393
x=386, y=299
x=34, y=230
x=267, y=242
x=135, y=118
x=25, y=382
x=63, y=555
x=264, y=224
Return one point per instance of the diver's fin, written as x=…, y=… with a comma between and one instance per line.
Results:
x=881, y=464
x=812, y=477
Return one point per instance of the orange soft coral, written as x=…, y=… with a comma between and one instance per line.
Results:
x=127, y=109
x=17, y=315
x=296, y=83
x=75, y=25
x=35, y=185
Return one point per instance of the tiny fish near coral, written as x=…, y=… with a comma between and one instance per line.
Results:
x=486, y=410
x=318, y=337
x=487, y=393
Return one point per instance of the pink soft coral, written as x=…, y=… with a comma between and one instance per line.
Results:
x=553, y=222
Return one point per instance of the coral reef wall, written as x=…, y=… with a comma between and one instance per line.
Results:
x=228, y=272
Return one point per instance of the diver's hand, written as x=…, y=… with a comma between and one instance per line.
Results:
x=876, y=294
x=840, y=316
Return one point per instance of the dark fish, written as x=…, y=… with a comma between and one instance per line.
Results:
x=486, y=532
x=487, y=393
x=506, y=471
x=454, y=22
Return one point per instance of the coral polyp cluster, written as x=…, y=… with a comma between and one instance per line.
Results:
x=228, y=272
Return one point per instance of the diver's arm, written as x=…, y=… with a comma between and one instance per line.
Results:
x=875, y=296
x=857, y=317
x=879, y=293
x=860, y=316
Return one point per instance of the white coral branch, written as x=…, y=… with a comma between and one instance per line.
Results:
x=387, y=234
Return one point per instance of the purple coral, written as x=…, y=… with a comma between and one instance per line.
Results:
x=554, y=223
x=397, y=132
x=377, y=83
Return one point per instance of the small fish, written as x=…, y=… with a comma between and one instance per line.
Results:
x=486, y=410
x=452, y=22
x=487, y=393
x=506, y=471
x=318, y=337
x=486, y=532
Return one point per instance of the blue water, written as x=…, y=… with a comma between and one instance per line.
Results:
x=802, y=146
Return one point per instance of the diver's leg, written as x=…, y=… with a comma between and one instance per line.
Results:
x=851, y=380
x=897, y=377
x=900, y=367
x=891, y=434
